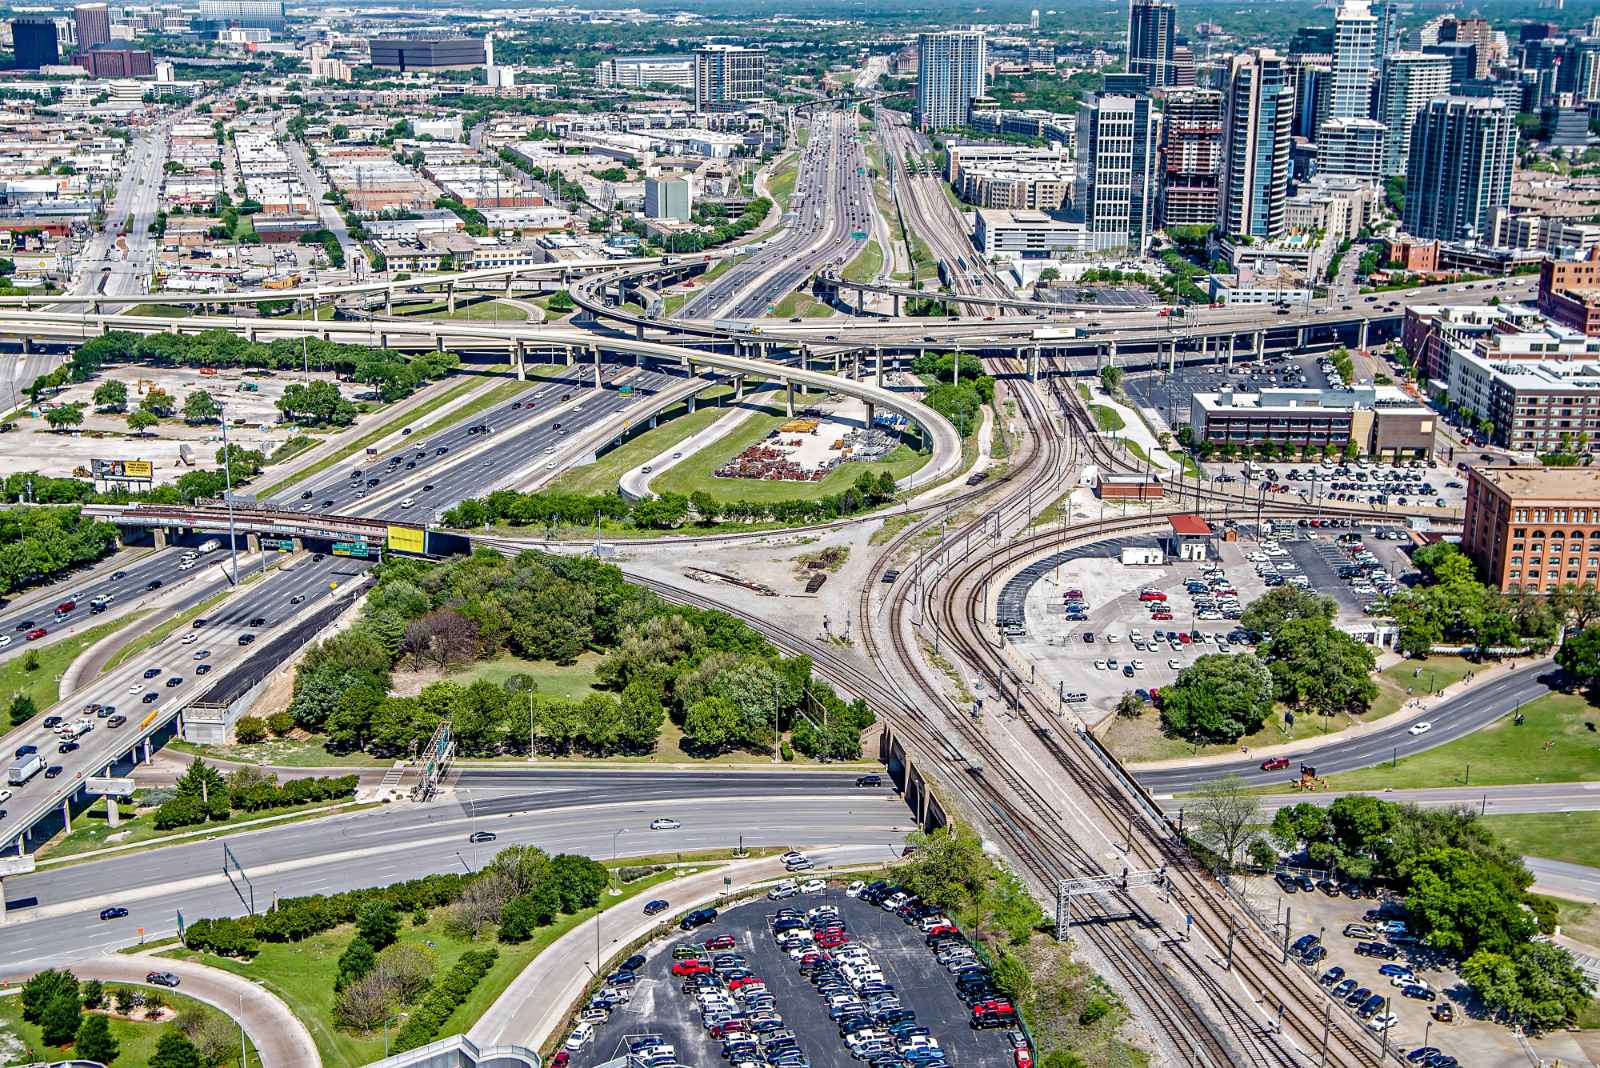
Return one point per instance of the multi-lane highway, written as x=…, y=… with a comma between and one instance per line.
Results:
x=591, y=811
x=160, y=680
x=832, y=202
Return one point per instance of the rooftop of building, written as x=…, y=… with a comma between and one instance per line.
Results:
x=1544, y=483
x=1386, y=397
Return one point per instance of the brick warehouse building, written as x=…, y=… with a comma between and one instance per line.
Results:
x=1534, y=528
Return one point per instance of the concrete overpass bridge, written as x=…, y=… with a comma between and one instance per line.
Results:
x=523, y=340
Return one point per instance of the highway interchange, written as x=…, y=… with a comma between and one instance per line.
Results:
x=559, y=810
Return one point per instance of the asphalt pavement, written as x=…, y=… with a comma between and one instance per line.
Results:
x=1454, y=718
x=55, y=908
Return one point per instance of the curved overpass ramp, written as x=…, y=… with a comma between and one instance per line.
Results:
x=67, y=327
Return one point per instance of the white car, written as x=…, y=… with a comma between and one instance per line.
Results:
x=813, y=886
x=137, y=687
x=664, y=824
x=1382, y=1022
x=1138, y=665
x=409, y=502
x=1099, y=665
x=5, y=640
x=1112, y=639
x=580, y=1036
x=791, y=856
x=1421, y=728
x=5, y=795
x=1174, y=663
x=855, y=888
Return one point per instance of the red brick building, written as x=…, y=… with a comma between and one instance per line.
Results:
x=1569, y=292
x=1534, y=528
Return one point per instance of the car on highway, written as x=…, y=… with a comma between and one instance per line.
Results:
x=52, y=722
x=54, y=771
x=202, y=654
x=176, y=680
x=116, y=721
x=298, y=598
x=1419, y=728
x=656, y=907
x=151, y=673
x=36, y=633
x=161, y=979
x=409, y=502
x=663, y=823
x=116, y=912
x=153, y=584
x=137, y=687
x=150, y=698
x=869, y=780
x=1274, y=763
x=482, y=836
x=246, y=639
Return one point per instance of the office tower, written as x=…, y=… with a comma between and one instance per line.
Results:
x=1410, y=80
x=1258, y=115
x=667, y=198
x=1114, y=188
x=1183, y=66
x=1311, y=94
x=636, y=72
x=1152, y=34
x=1355, y=35
x=1312, y=41
x=33, y=44
x=94, y=24
x=1191, y=157
x=1474, y=31
x=1463, y=57
x=1459, y=169
x=105, y=61
x=950, y=76
x=246, y=14
x=727, y=76
x=1390, y=32
x=426, y=53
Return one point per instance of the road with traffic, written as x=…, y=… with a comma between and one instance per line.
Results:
x=597, y=812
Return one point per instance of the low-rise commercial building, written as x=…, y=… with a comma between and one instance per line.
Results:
x=1533, y=529
x=1379, y=420
x=1569, y=292
x=1005, y=235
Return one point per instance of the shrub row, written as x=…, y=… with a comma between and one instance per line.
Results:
x=447, y=994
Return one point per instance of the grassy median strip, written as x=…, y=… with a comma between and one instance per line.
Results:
x=302, y=973
x=158, y=633
x=603, y=475
x=139, y=834
x=496, y=394
x=866, y=265
x=1573, y=837
x=377, y=433
x=43, y=681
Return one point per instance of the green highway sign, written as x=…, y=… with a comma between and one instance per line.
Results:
x=282, y=545
x=858, y=235
x=350, y=548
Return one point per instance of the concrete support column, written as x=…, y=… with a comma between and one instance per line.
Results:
x=569, y=355
x=146, y=759
x=1033, y=364
x=383, y=340
x=250, y=334
x=638, y=331
x=66, y=813
x=388, y=301
x=27, y=346
x=805, y=357
x=1230, y=351
x=450, y=297
x=438, y=343
x=1260, y=343
x=861, y=301
x=789, y=398
x=877, y=354
x=1172, y=358
x=519, y=358
x=598, y=380
x=252, y=542
x=897, y=305
x=1111, y=353
x=872, y=414
x=111, y=811
x=738, y=387
x=509, y=277
x=855, y=365
x=1361, y=343
x=160, y=534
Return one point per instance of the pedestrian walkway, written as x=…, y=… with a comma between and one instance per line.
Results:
x=1133, y=430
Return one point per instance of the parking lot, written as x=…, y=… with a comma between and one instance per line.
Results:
x=1411, y=483
x=1354, y=978
x=658, y=1004
x=1170, y=395
x=1097, y=628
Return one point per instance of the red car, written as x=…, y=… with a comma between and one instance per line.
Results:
x=560, y=1059
x=36, y=633
x=832, y=941
x=1274, y=763
x=1160, y=615
x=1073, y=595
x=721, y=941
x=1152, y=595
x=1019, y=1049
x=729, y=1027
x=740, y=984
x=1183, y=637
x=691, y=967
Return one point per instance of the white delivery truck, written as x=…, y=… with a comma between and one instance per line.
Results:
x=209, y=545
x=25, y=769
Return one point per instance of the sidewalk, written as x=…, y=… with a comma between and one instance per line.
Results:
x=281, y=1040
x=1133, y=429
x=535, y=1005
x=1414, y=708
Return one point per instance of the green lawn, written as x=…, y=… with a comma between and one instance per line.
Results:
x=1419, y=676
x=307, y=752
x=802, y=304
x=565, y=680
x=302, y=973
x=1570, y=836
x=866, y=265
x=322, y=311
x=781, y=185
x=1579, y=920
x=137, y=1038
x=445, y=395
x=170, y=311
x=695, y=472
x=1554, y=745
x=43, y=683
x=478, y=311
x=602, y=475
x=1138, y=740
x=1107, y=419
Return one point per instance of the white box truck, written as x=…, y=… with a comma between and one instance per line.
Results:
x=25, y=769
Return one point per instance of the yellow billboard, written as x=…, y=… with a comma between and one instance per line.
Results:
x=408, y=540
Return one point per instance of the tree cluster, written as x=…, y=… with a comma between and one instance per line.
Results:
x=553, y=510
x=711, y=236
x=723, y=683
x=958, y=401
x=203, y=795
x=38, y=543
x=1453, y=607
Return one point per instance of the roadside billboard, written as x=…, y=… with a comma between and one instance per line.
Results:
x=408, y=540
x=123, y=470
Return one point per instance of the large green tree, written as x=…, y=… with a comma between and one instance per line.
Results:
x=1536, y=984
x=1276, y=607
x=1218, y=698
x=1317, y=667
x=1462, y=903
x=174, y=1050
x=93, y=1041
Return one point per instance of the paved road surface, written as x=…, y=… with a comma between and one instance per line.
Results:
x=55, y=909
